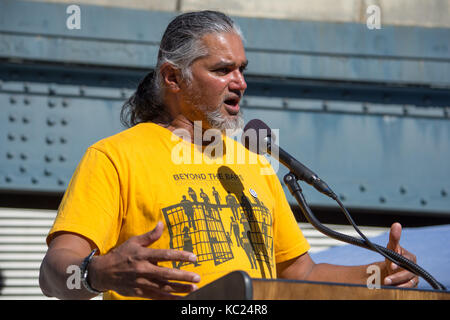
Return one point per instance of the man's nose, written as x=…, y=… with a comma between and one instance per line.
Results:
x=238, y=81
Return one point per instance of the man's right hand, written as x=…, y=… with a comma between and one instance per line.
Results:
x=132, y=269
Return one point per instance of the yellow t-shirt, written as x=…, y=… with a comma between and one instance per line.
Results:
x=224, y=208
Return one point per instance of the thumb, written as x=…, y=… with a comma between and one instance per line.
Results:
x=148, y=238
x=394, y=237
x=394, y=242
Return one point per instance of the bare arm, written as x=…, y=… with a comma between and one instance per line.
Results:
x=66, y=249
x=131, y=269
x=304, y=268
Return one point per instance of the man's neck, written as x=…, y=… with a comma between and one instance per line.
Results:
x=193, y=132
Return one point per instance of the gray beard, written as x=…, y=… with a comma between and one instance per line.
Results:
x=226, y=125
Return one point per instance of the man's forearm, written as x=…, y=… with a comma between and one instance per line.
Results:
x=56, y=279
x=342, y=274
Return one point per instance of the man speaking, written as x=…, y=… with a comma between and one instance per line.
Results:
x=139, y=223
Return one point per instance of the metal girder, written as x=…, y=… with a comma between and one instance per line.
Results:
x=368, y=110
x=373, y=158
x=127, y=38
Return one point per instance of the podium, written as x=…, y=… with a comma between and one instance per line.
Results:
x=238, y=285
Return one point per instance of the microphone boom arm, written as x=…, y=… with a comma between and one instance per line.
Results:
x=294, y=188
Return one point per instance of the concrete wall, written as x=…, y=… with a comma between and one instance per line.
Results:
x=429, y=13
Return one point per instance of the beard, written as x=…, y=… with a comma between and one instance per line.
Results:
x=227, y=125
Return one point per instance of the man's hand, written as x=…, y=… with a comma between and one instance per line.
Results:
x=397, y=276
x=132, y=269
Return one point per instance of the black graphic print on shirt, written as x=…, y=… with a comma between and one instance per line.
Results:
x=214, y=227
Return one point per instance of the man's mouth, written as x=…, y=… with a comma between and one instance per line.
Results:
x=232, y=105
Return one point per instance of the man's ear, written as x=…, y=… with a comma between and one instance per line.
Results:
x=171, y=77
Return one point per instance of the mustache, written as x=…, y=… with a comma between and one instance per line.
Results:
x=234, y=93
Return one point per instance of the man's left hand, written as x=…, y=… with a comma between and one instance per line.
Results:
x=395, y=275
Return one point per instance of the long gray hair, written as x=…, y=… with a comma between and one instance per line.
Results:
x=180, y=46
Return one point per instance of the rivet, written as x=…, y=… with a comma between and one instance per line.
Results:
x=24, y=138
x=47, y=173
x=11, y=118
x=11, y=137
x=63, y=122
x=23, y=156
x=22, y=169
x=61, y=158
x=62, y=140
x=362, y=188
x=12, y=100
x=34, y=180
x=26, y=87
x=25, y=120
x=382, y=199
x=26, y=101
x=51, y=90
x=9, y=155
x=82, y=91
x=49, y=140
x=48, y=158
x=365, y=108
x=51, y=103
x=60, y=182
x=405, y=110
x=444, y=193
x=423, y=202
x=8, y=179
x=65, y=103
x=402, y=190
x=51, y=121
x=342, y=197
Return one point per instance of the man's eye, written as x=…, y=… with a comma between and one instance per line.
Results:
x=222, y=70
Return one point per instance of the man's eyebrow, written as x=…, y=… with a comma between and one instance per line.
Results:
x=224, y=63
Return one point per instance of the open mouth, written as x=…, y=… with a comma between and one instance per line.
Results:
x=232, y=105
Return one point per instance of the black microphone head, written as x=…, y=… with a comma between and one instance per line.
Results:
x=254, y=136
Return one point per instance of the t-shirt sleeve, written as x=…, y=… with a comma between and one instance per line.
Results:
x=289, y=240
x=91, y=204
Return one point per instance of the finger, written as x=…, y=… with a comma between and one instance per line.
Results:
x=152, y=292
x=170, y=274
x=410, y=284
x=175, y=287
x=170, y=255
x=148, y=238
x=166, y=286
x=399, y=278
x=395, y=234
x=392, y=265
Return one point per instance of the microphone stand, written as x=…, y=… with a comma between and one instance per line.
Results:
x=294, y=188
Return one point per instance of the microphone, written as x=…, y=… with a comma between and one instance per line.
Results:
x=264, y=144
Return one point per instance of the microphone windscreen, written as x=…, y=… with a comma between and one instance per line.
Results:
x=255, y=131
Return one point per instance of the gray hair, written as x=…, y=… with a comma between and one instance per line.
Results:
x=180, y=46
